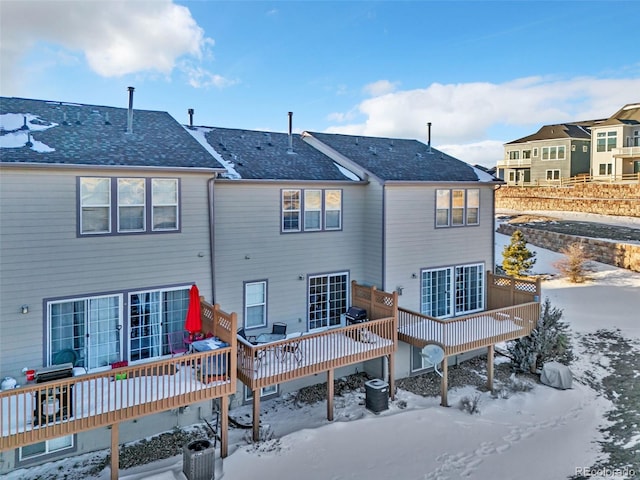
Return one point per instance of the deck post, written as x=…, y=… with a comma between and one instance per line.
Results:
x=115, y=452
x=256, y=415
x=443, y=383
x=224, y=426
x=392, y=380
x=330, y=395
x=490, y=353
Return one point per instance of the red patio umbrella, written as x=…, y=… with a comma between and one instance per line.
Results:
x=193, y=321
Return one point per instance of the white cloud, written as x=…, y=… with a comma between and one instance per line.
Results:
x=381, y=87
x=116, y=38
x=199, y=77
x=463, y=115
x=485, y=153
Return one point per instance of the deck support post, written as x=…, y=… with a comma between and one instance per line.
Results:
x=256, y=414
x=224, y=426
x=392, y=380
x=330, y=395
x=115, y=452
x=490, y=354
x=444, y=383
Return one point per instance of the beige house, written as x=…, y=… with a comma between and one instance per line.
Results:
x=616, y=151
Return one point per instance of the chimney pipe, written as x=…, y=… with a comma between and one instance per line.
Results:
x=290, y=132
x=190, y=112
x=130, y=112
x=429, y=136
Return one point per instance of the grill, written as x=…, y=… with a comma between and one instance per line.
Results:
x=356, y=315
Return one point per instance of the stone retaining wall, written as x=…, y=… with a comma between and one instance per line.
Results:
x=600, y=198
x=624, y=255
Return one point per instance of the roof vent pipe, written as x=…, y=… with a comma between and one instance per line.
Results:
x=429, y=136
x=190, y=112
x=130, y=112
x=290, y=132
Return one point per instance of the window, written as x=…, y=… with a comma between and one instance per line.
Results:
x=585, y=149
x=95, y=205
x=321, y=210
x=452, y=291
x=269, y=391
x=47, y=447
x=328, y=296
x=553, y=153
x=553, y=174
x=125, y=204
x=514, y=155
x=255, y=304
x=164, y=200
x=131, y=205
x=606, y=141
x=457, y=207
x=535, y=152
x=636, y=138
x=605, y=169
x=526, y=154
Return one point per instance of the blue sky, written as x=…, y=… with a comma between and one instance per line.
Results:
x=484, y=73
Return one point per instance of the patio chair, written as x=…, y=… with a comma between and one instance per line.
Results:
x=279, y=328
x=252, y=340
x=294, y=349
x=177, y=344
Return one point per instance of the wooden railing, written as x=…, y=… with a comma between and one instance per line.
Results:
x=42, y=411
x=463, y=334
x=582, y=178
x=303, y=355
x=503, y=291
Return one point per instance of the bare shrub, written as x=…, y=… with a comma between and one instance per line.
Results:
x=470, y=404
x=576, y=264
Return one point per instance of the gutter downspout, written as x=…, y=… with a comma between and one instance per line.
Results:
x=212, y=249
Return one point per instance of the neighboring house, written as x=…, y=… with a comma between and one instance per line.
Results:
x=616, y=154
x=103, y=230
x=553, y=152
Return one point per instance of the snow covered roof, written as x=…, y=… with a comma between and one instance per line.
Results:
x=38, y=131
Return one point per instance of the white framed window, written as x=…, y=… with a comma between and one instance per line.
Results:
x=312, y=210
x=268, y=391
x=553, y=153
x=255, y=304
x=123, y=206
x=553, y=174
x=95, y=205
x=605, y=169
x=333, y=209
x=164, y=203
x=291, y=210
x=320, y=211
x=535, y=152
x=131, y=205
x=452, y=291
x=45, y=448
x=585, y=149
x=443, y=200
x=606, y=141
x=328, y=299
x=514, y=155
x=636, y=139
x=458, y=207
x=526, y=154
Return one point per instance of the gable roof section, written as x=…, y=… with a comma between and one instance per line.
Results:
x=260, y=155
x=393, y=159
x=575, y=130
x=74, y=134
x=627, y=115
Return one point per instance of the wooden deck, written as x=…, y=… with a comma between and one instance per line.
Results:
x=110, y=397
x=322, y=352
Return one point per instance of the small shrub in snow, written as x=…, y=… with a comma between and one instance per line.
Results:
x=470, y=404
x=576, y=264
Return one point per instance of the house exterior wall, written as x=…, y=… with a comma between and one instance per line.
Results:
x=42, y=257
x=626, y=140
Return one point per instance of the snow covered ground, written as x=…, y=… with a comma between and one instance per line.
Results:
x=539, y=434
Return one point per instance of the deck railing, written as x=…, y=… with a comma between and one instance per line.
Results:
x=470, y=332
x=503, y=291
x=41, y=411
x=308, y=354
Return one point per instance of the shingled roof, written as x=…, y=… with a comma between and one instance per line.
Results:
x=46, y=132
x=393, y=159
x=627, y=115
x=252, y=154
x=577, y=130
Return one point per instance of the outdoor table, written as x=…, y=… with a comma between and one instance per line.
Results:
x=214, y=369
x=208, y=344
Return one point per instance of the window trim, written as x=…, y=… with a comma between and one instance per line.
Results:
x=264, y=393
x=301, y=210
x=114, y=208
x=451, y=289
x=245, y=305
x=326, y=321
x=555, y=150
x=447, y=195
x=48, y=454
x=554, y=170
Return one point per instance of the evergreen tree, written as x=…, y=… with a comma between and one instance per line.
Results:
x=517, y=258
x=548, y=341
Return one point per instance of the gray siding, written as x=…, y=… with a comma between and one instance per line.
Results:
x=413, y=243
x=372, y=244
x=247, y=224
x=43, y=258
